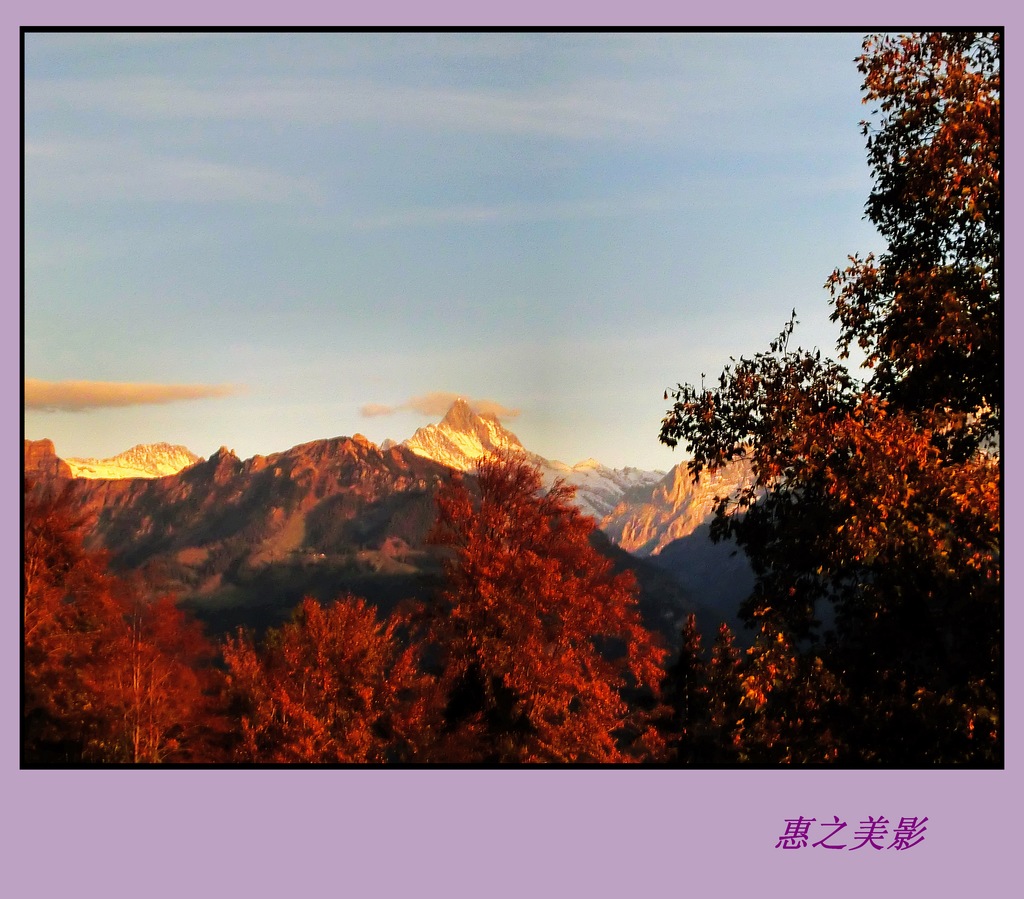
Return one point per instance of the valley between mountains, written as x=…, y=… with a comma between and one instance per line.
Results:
x=241, y=542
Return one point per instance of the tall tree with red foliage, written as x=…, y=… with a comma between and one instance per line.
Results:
x=540, y=643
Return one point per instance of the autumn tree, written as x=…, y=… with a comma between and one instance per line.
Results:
x=539, y=643
x=792, y=707
x=873, y=519
x=928, y=311
x=334, y=685
x=110, y=675
x=67, y=607
x=155, y=681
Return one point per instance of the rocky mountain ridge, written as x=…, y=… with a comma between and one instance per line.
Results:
x=662, y=517
x=41, y=462
x=675, y=507
x=244, y=541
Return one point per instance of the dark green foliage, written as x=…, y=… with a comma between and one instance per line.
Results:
x=705, y=697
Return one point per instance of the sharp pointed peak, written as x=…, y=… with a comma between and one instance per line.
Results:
x=459, y=414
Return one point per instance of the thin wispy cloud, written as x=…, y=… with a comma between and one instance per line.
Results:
x=92, y=170
x=437, y=403
x=80, y=396
x=684, y=195
x=593, y=108
x=470, y=214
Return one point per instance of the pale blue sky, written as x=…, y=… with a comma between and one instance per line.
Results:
x=562, y=224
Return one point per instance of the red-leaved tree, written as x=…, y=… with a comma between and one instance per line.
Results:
x=334, y=685
x=110, y=675
x=541, y=646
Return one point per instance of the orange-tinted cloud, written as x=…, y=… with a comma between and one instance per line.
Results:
x=437, y=403
x=78, y=396
x=372, y=410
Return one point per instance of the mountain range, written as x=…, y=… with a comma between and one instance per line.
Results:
x=243, y=541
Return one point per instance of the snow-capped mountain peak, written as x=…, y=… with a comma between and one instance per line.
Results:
x=461, y=417
x=145, y=460
x=463, y=437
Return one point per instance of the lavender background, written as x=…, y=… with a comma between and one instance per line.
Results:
x=484, y=833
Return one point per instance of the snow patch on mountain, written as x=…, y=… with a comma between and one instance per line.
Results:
x=599, y=489
x=145, y=460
